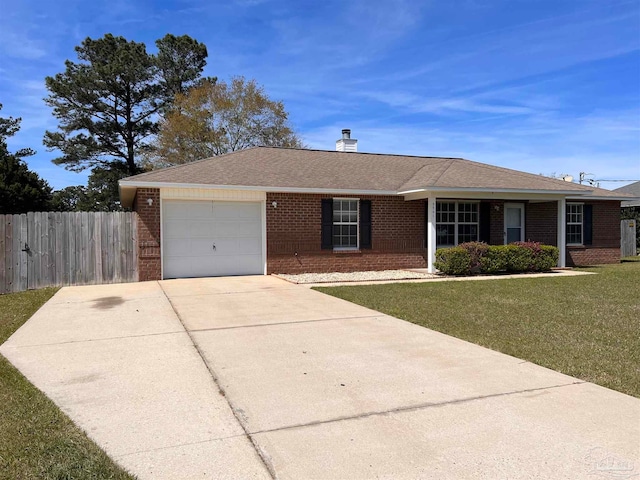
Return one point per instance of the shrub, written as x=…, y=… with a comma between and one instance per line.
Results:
x=478, y=257
x=518, y=258
x=477, y=250
x=542, y=257
x=494, y=260
x=453, y=261
x=547, y=259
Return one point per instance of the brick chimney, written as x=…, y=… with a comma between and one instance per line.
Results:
x=346, y=143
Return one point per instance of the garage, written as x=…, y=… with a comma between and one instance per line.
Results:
x=211, y=238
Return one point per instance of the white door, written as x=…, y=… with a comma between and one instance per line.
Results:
x=207, y=238
x=513, y=222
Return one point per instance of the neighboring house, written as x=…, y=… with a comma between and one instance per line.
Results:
x=632, y=189
x=276, y=210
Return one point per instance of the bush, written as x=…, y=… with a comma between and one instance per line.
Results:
x=477, y=250
x=518, y=259
x=478, y=257
x=453, y=261
x=494, y=261
x=547, y=259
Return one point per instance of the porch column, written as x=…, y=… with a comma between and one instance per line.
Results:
x=431, y=234
x=562, y=233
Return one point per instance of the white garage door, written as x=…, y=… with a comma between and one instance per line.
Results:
x=207, y=238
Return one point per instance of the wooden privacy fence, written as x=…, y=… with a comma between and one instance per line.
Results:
x=72, y=248
x=628, y=238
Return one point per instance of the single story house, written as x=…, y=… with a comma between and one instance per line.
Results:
x=278, y=210
x=632, y=189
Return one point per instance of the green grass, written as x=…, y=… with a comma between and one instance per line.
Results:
x=38, y=441
x=585, y=326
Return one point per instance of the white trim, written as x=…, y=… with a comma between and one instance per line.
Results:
x=522, y=220
x=495, y=190
x=351, y=191
x=264, y=234
x=581, y=204
x=517, y=197
x=431, y=233
x=357, y=247
x=263, y=221
x=161, y=240
x=456, y=223
x=595, y=197
x=345, y=191
x=562, y=233
x=211, y=194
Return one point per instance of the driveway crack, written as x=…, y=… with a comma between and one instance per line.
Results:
x=238, y=414
x=411, y=408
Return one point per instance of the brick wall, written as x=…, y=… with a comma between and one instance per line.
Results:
x=294, y=229
x=149, y=259
x=496, y=219
x=398, y=227
x=606, y=237
x=542, y=226
x=541, y=222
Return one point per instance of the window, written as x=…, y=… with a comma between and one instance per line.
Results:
x=574, y=223
x=456, y=222
x=345, y=224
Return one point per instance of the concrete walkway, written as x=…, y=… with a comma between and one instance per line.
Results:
x=252, y=377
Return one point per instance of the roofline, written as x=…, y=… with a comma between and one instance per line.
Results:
x=494, y=190
x=599, y=197
x=570, y=194
x=206, y=186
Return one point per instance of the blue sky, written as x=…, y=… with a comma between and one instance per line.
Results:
x=542, y=86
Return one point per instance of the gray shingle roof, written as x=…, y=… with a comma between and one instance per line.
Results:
x=631, y=189
x=272, y=167
x=302, y=170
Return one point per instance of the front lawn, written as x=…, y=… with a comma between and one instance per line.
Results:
x=585, y=326
x=37, y=440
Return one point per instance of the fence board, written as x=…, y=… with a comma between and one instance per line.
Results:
x=58, y=261
x=3, y=265
x=23, y=256
x=69, y=248
x=51, y=250
x=628, y=245
x=16, y=249
x=73, y=264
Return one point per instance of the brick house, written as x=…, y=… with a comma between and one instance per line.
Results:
x=275, y=210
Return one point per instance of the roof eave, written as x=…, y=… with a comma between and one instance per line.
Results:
x=125, y=185
x=494, y=190
x=598, y=197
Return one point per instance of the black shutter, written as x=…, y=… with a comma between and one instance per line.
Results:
x=327, y=223
x=365, y=223
x=587, y=212
x=485, y=222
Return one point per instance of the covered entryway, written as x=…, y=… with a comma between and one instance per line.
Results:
x=211, y=238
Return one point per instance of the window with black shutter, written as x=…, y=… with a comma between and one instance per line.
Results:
x=346, y=223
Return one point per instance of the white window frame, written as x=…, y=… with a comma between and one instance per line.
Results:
x=520, y=206
x=581, y=222
x=357, y=223
x=456, y=222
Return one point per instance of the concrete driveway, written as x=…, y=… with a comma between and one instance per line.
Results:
x=253, y=377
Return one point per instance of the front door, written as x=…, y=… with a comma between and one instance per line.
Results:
x=513, y=222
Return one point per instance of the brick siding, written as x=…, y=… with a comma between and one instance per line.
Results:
x=605, y=247
x=294, y=229
x=496, y=219
x=149, y=259
x=398, y=228
x=542, y=226
x=541, y=222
